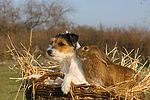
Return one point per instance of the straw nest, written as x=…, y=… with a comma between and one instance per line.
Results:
x=38, y=79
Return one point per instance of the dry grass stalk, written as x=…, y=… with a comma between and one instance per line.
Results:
x=142, y=86
x=32, y=71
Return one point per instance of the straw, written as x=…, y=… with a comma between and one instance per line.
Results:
x=40, y=77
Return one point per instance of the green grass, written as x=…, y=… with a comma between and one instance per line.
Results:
x=8, y=88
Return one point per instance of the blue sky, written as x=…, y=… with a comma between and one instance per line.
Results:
x=112, y=13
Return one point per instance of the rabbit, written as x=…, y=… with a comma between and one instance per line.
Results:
x=99, y=69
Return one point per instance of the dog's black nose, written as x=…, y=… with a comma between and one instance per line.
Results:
x=49, y=52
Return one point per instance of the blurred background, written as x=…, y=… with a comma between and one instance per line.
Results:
x=96, y=21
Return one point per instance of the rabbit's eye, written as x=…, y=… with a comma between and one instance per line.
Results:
x=85, y=48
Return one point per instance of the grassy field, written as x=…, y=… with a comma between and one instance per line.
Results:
x=8, y=88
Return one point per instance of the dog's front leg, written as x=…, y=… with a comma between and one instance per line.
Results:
x=65, y=87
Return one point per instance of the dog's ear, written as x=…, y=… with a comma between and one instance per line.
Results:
x=73, y=37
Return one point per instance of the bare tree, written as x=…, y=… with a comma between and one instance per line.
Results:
x=9, y=16
x=146, y=13
x=32, y=13
x=49, y=13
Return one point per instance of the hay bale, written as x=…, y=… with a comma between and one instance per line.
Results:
x=39, y=81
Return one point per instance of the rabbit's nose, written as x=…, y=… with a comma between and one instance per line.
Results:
x=49, y=52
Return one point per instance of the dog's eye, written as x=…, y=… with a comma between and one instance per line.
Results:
x=61, y=44
x=85, y=48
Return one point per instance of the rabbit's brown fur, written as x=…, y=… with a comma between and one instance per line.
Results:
x=98, y=68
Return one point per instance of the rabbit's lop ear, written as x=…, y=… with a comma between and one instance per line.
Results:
x=104, y=59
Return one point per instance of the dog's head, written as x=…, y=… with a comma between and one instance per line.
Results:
x=63, y=45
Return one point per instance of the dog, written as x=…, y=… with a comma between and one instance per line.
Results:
x=62, y=49
x=99, y=69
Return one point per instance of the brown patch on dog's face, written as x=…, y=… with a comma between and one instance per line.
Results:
x=62, y=46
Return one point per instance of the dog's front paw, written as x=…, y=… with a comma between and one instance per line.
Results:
x=59, y=80
x=65, y=87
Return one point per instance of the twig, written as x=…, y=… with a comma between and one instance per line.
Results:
x=18, y=91
x=30, y=41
